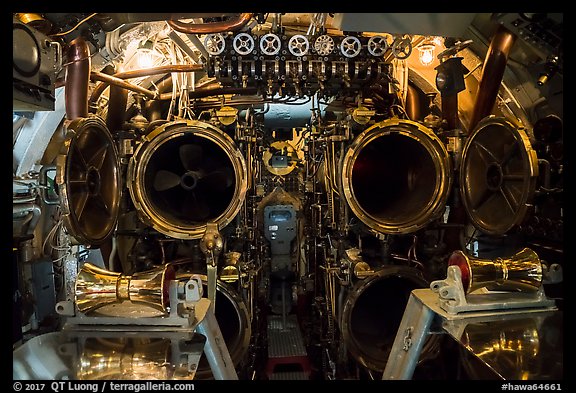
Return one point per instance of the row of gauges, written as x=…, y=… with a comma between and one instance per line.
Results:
x=299, y=45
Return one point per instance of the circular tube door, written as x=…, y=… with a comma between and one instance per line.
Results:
x=185, y=175
x=498, y=175
x=396, y=176
x=88, y=180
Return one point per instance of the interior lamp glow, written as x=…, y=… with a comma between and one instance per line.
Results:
x=426, y=54
x=145, y=56
x=145, y=59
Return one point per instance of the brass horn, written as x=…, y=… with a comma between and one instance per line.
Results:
x=96, y=287
x=521, y=272
x=125, y=358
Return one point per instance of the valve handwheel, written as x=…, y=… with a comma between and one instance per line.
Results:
x=402, y=48
x=270, y=44
x=215, y=44
x=298, y=45
x=243, y=44
x=350, y=46
x=377, y=45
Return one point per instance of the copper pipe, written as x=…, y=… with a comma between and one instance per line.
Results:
x=153, y=108
x=160, y=70
x=413, y=103
x=99, y=89
x=210, y=88
x=60, y=82
x=212, y=91
x=97, y=92
x=210, y=28
x=77, y=79
x=450, y=110
x=492, y=73
x=98, y=76
x=116, y=108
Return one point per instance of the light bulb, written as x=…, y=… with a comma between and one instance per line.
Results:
x=426, y=54
x=145, y=58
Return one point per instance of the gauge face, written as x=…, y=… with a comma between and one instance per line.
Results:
x=442, y=80
x=25, y=51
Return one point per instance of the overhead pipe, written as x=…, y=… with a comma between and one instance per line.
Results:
x=492, y=73
x=112, y=21
x=233, y=24
x=213, y=90
x=413, y=104
x=77, y=79
x=199, y=45
x=99, y=89
x=182, y=45
x=98, y=76
x=117, y=102
x=153, y=108
x=164, y=69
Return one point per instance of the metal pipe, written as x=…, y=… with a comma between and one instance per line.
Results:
x=99, y=89
x=182, y=45
x=492, y=73
x=116, y=108
x=199, y=45
x=113, y=253
x=77, y=79
x=450, y=110
x=31, y=208
x=153, y=108
x=98, y=76
x=96, y=93
x=413, y=103
x=546, y=172
x=213, y=91
x=210, y=28
x=164, y=69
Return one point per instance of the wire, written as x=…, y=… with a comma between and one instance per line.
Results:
x=75, y=27
x=49, y=235
x=401, y=109
x=470, y=238
x=77, y=60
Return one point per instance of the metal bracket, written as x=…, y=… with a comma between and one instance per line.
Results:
x=188, y=311
x=211, y=245
x=185, y=300
x=43, y=182
x=453, y=299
